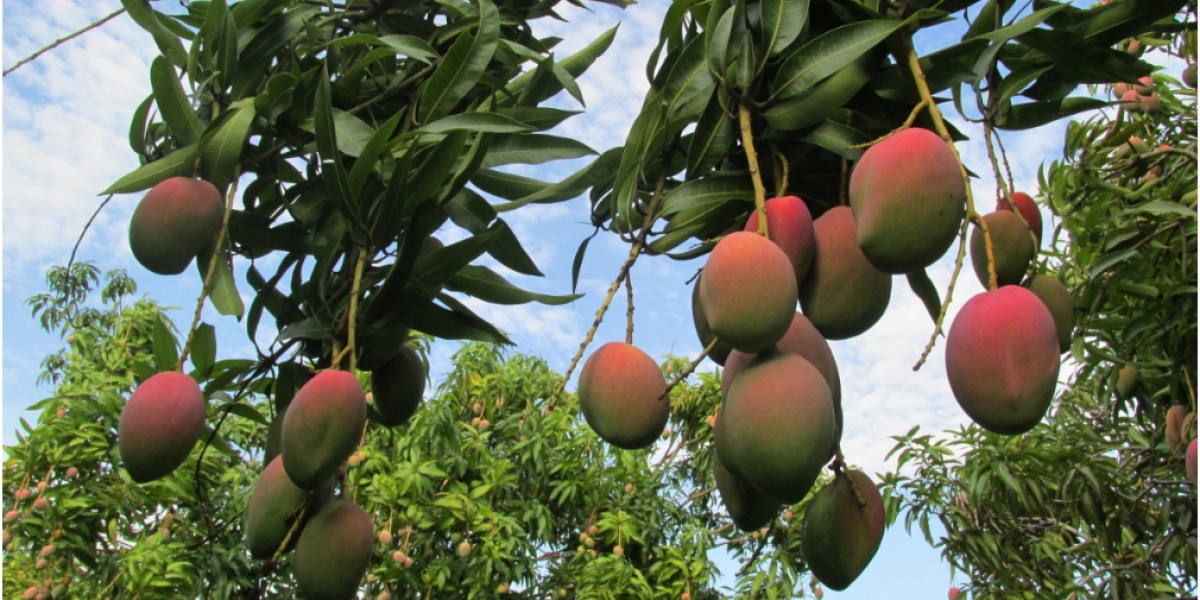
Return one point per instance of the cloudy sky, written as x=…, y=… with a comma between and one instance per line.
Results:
x=65, y=119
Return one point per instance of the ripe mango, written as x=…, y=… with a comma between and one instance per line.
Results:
x=1058, y=301
x=398, y=386
x=790, y=226
x=1011, y=246
x=748, y=507
x=1176, y=415
x=779, y=425
x=1002, y=359
x=619, y=390
x=322, y=427
x=176, y=219
x=160, y=425
x=334, y=552
x=273, y=508
x=721, y=351
x=840, y=537
x=1027, y=209
x=844, y=294
x=748, y=291
x=909, y=198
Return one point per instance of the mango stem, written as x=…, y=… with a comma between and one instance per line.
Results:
x=212, y=268
x=760, y=192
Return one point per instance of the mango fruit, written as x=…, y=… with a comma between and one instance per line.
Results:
x=1058, y=301
x=1127, y=380
x=619, y=391
x=909, y=198
x=176, y=219
x=840, y=537
x=274, y=505
x=1175, y=420
x=398, y=387
x=844, y=294
x=1027, y=208
x=1002, y=359
x=748, y=291
x=334, y=552
x=779, y=425
x=160, y=425
x=748, y=507
x=322, y=426
x=1011, y=245
x=790, y=226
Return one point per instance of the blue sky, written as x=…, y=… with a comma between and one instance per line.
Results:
x=64, y=139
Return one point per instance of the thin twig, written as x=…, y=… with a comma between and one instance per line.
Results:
x=61, y=41
x=688, y=371
x=629, y=311
x=757, y=551
x=941, y=318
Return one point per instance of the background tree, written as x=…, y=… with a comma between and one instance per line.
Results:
x=1095, y=502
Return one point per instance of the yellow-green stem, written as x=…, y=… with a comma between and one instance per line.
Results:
x=629, y=311
x=287, y=540
x=666, y=393
x=350, y=342
x=760, y=192
x=212, y=268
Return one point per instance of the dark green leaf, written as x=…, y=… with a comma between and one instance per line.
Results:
x=166, y=351
x=147, y=18
x=782, y=22
x=689, y=76
x=175, y=164
x=222, y=148
x=718, y=43
x=820, y=102
x=539, y=118
x=173, y=103
x=369, y=157
x=508, y=251
x=477, y=122
x=829, y=53
x=247, y=412
x=924, y=288
x=1036, y=114
x=717, y=188
x=532, y=149
x=337, y=181
x=470, y=211
x=434, y=268
x=459, y=324
x=485, y=284
x=577, y=264
x=714, y=135
x=204, y=349
x=575, y=64
x=461, y=68
x=837, y=138
x=137, y=126
x=312, y=328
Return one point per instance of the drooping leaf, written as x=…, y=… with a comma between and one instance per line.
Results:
x=147, y=18
x=175, y=164
x=476, y=122
x=337, y=181
x=782, y=22
x=173, y=103
x=507, y=249
x=714, y=189
x=311, y=328
x=1036, y=114
x=532, y=149
x=577, y=263
x=457, y=324
x=461, y=68
x=818, y=103
x=924, y=288
x=204, y=349
x=487, y=285
x=714, y=135
x=222, y=147
x=166, y=350
x=223, y=290
x=434, y=268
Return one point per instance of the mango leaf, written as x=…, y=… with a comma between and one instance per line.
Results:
x=837, y=138
x=1116, y=21
x=166, y=351
x=567, y=81
x=221, y=149
x=818, y=103
x=782, y=22
x=461, y=68
x=137, y=126
x=470, y=211
x=1018, y=80
x=337, y=181
x=600, y=170
x=702, y=210
x=509, y=186
x=407, y=45
x=575, y=64
x=532, y=149
x=506, y=249
x=487, y=285
x=829, y=53
x=1160, y=207
x=168, y=43
x=248, y=12
x=457, y=324
x=223, y=291
x=714, y=135
x=1036, y=114
x=924, y=288
x=247, y=412
x=718, y=43
x=577, y=263
x=204, y=349
x=312, y=328
x=173, y=103
x=539, y=118
x=434, y=268
x=476, y=122
x=688, y=77
x=699, y=192
x=175, y=164
x=437, y=166
x=1026, y=24
x=369, y=157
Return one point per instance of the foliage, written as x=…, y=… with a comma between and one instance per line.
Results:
x=1093, y=502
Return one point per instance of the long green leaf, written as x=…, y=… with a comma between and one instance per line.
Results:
x=173, y=103
x=1036, y=114
x=532, y=149
x=688, y=77
x=458, y=324
x=476, y=122
x=1023, y=26
x=369, y=157
x=222, y=148
x=829, y=53
x=575, y=64
x=507, y=249
x=434, y=268
x=147, y=18
x=818, y=103
x=461, y=68
x=718, y=43
x=224, y=294
x=714, y=135
x=717, y=188
x=337, y=181
x=166, y=350
x=487, y=285
x=146, y=176
x=782, y=22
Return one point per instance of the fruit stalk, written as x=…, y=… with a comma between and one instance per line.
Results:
x=688, y=371
x=1006, y=191
x=941, y=317
x=636, y=250
x=212, y=268
x=760, y=192
x=352, y=320
x=294, y=529
x=629, y=311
